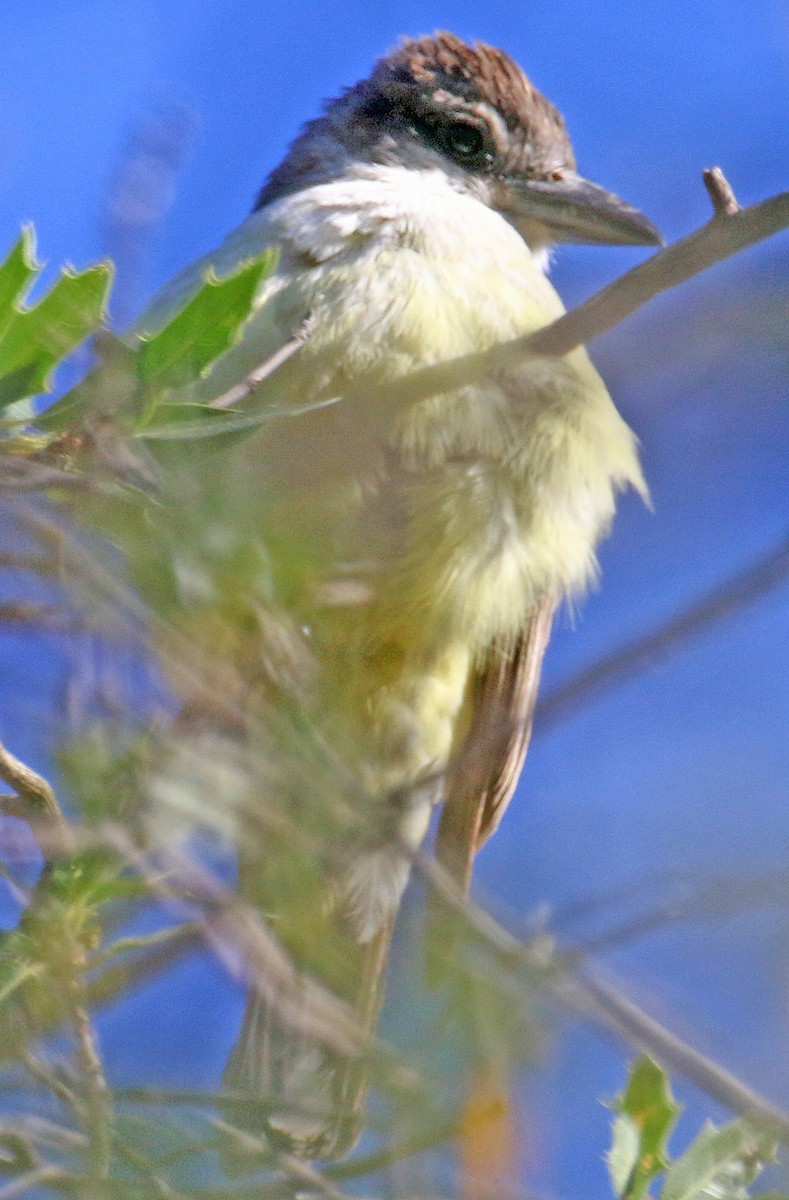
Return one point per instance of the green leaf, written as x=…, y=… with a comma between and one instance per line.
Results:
x=17, y=274
x=646, y=1114
x=209, y=324
x=189, y=422
x=721, y=1163
x=34, y=340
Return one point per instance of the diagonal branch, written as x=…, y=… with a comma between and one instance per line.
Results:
x=590, y=997
x=622, y=664
x=730, y=230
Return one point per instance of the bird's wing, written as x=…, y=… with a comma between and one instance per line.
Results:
x=502, y=696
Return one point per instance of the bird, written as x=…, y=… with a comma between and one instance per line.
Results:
x=431, y=541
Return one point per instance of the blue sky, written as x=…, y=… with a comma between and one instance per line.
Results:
x=685, y=769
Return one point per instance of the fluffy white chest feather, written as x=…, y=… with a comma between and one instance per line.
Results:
x=504, y=486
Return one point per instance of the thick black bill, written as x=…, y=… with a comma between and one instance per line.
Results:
x=575, y=210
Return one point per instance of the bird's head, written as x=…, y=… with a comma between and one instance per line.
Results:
x=467, y=109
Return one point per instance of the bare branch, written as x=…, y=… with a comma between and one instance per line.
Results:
x=720, y=191
x=729, y=231
x=121, y=979
x=621, y=665
x=42, y=616
x=242, y=391
x=97, y=1095
x=229, y=925
x=19, y=475
x=50, y=1079
x=37, y=805
x=590, y=997
x=31, y=1181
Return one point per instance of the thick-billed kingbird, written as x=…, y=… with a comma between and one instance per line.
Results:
x=413, y=222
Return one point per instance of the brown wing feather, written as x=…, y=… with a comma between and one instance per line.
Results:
x=502, y=697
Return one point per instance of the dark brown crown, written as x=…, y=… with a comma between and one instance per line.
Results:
x=423, y=84
x=477, y=73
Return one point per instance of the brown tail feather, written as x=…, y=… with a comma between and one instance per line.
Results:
x=321, y=1092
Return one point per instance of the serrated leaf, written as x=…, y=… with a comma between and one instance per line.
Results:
x=720, y=1164
x=207, y=326
x=17, y=274
x=34, y=340
x=646, y=1114
x=624, y=1155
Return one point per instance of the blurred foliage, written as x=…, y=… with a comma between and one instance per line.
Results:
x=720, y=1164
x=133, y=488
x=33, y=339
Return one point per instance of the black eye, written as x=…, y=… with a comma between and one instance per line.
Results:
x=463, y=142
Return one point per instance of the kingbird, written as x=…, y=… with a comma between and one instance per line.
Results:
x=413, y=221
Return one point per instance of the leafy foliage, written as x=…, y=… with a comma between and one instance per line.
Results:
x=141, y=375
x=207, y=326
x=721, y=1164
x=34, y=339
x=646, y=1115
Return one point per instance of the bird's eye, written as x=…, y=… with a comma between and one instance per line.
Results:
x=463, y=142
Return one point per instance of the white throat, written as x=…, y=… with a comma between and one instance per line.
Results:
x=429, y=210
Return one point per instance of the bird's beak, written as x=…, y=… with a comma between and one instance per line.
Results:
x=574, y=210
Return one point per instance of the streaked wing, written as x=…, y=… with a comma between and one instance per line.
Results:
x=502, y=697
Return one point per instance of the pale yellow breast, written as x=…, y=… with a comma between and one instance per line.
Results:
x=441, y=526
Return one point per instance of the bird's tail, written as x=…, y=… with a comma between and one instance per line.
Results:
x=305, y=1097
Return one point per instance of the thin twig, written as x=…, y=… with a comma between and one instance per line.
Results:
x=731, y=230
x=27, y=475
x=715, y=899
x=311, y=1180
x=242, y=391
x=49, y=1079
x=123, y=978
x=98, y=1098
x=37, y=564
x=720, y=192
x=17, y=1149
x=42, y=1134
x=229, y=925
x=728, y=233
x=38, y=805
x=162, y=938
x=616, y=668
x=143, y=1163
x=43, y=616
x=605, y=1005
